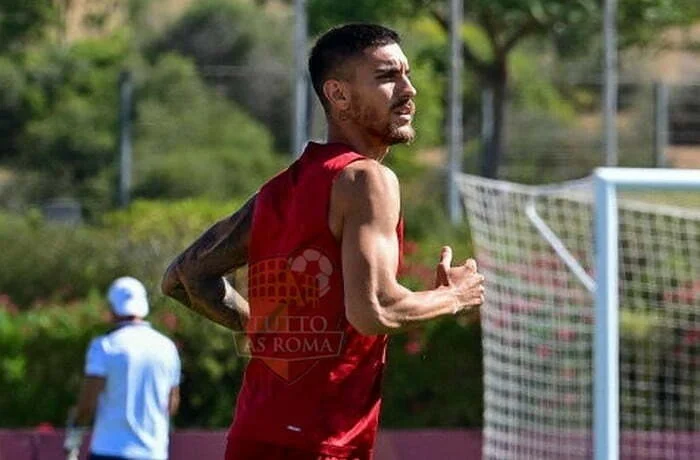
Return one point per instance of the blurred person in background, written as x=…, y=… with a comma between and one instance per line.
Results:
x=130, y=384
x=322, y=241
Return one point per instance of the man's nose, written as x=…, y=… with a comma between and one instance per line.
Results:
x=408, y=88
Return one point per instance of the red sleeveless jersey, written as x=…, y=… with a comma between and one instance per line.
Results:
x=313, y=381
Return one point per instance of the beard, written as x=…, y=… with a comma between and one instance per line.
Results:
x=382, y=126
x=400, y=133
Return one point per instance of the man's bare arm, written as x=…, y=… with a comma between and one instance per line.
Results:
x=196, y=277
x=174, y=400
x=90, y=390
x=376, y=303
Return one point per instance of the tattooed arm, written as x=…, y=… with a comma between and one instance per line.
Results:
x=196, y=277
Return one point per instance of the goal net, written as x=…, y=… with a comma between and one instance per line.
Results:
x=535, y=246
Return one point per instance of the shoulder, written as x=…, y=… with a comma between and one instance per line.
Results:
x=98, y=343
x=165, y=342
x=366, y=177
x=97, y=355
x=366, y=192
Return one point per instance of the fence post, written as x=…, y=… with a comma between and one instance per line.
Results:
x=299, y=111
x=610, y=83
x=125, y=105
x=487, y=122
x=455, y=135
x=661, y=98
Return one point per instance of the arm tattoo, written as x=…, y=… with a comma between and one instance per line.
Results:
x=196, y=278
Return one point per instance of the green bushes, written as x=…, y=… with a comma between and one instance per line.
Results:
x=42, y=357
x=52, y=303
x=191, y=142
x=434, y=377
x=48, y=262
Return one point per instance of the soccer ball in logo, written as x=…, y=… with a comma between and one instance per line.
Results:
x=313, y=263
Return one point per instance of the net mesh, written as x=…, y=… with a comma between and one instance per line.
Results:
x=538, y=321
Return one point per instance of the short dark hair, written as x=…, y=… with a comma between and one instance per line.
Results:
x=342, y=43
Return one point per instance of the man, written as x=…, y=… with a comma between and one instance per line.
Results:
x=131, y=383
x=322, y=241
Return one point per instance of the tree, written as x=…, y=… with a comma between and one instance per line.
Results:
x=233, y=47
x=506, y=24
x=190, y=141
x=65, y=142
x=12, y=114
x=69, y=137
x=23, y=20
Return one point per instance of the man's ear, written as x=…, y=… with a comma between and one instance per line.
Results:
x=337, y=94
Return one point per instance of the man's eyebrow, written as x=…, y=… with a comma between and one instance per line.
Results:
x=387, y=67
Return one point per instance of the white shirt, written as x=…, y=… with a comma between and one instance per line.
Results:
x=140, y=366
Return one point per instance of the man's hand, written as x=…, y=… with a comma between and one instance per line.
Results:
x=74, y=436
x=464, y=279
x=73, y=441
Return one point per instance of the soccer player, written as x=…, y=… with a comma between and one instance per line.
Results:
x=131, y=384
x=322, y=241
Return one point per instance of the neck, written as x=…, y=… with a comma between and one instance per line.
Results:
x=127, y=319
x=358, y=140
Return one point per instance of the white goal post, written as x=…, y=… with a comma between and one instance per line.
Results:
x=591, y=329
x=607, y=181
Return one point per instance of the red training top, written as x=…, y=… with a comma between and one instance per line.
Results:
x=313, y=381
